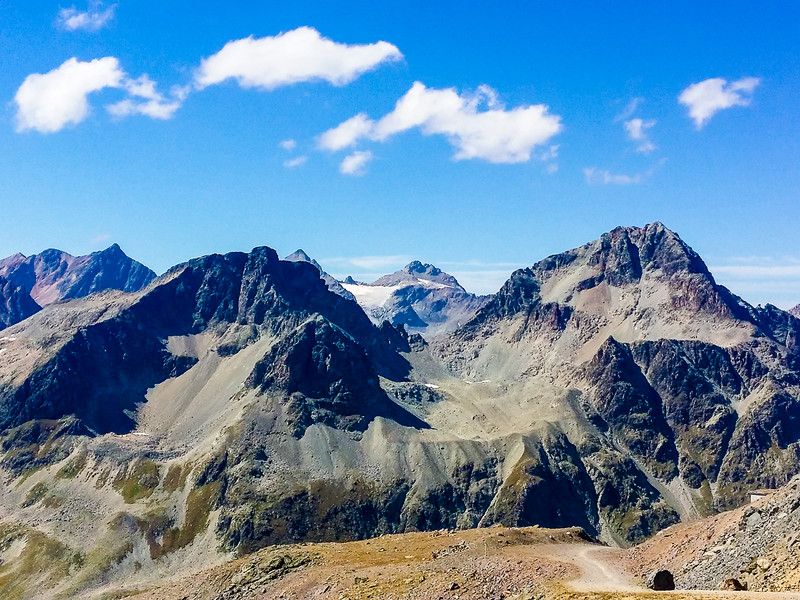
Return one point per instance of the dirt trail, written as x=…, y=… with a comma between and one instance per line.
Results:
x=600, y=568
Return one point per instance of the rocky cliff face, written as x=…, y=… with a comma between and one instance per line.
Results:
x=237, y=402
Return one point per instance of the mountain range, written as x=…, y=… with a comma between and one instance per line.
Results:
x=420, y=297
x=27, y=283
x=241, y=400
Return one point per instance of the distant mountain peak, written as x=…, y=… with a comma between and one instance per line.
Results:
x=419, y=268
x=53, y=275
x=333, y=284
x=113, y=249
x=299, y=255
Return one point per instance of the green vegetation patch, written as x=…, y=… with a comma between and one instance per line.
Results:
x=35, y=494
x=42, y=564
x=175, y=478
x=73, y=467
x=138, y=482
x=163, y=538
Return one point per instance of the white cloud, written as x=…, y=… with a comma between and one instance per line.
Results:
x=47, y=102
x=758, y=271
x=707, y=97
x=551, y=169
x=291, y=57
x=550, y=154
x=629, y=109
x=288, y=145
x=347, y=133
x=295, y=162
x=494, y=134
x=636, y=128
x=637, y=131
x=595, y=176
x=91, y=19
x=762, y=279
x=355, y=163
x=152, y=104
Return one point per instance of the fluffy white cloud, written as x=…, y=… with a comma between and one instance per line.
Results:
x=637, y=131
x=347, y=133
x=47, y=102
x=707, y=97
x=92, y=19
x=355, y=163
x=149, y=101
x=493, y=134
x=291, y=57
x=288, y=145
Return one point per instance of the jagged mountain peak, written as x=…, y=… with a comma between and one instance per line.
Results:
x=333, y=284
x=633, y=283
x=299, y=255
x=419, y=272
x=421, y=268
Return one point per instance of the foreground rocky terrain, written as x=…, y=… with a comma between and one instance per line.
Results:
x=758, y=544
x=236, y=402
x=479, y=564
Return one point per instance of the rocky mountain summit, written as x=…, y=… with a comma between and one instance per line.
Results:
x=333, y=284
x=53, y=275
x=421, y=297
x=237, y=402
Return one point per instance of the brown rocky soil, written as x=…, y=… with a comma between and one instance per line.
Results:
x=478, y=564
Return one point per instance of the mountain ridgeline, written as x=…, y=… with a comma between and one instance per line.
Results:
x=240, y=400
x=29, y=283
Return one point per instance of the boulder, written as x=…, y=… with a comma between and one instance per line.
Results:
x=661, y=581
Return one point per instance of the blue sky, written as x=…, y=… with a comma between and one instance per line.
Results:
x=477, y=137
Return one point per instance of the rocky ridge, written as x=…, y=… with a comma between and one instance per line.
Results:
x=237, y=402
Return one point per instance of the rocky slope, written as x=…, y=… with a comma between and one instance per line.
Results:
x=700, y=387
x=757, y=544
x=54, y=275
x=237, y=402
x=421, y=297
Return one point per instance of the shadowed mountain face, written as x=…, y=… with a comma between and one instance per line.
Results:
x=53, y=275
x=100, y=368
x=15, y=304
x=237, y=401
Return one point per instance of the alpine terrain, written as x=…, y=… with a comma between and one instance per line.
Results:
x=238, y=401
